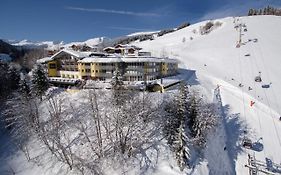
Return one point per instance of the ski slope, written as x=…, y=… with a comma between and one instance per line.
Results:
x=217, y=61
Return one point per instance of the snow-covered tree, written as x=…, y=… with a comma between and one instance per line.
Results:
x=202, y=118
x=13, y=77
x=24, y=87
x=117, y=79
x=40, y=82
x=176, y=128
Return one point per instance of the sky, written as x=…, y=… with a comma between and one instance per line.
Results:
x=79, y=20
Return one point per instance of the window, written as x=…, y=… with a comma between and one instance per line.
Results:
x=87, y=64
x=52, y=66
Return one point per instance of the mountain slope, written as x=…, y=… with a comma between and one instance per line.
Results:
x=218, y=62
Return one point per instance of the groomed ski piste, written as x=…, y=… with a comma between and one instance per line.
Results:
x=218, y=62
x=223, y=73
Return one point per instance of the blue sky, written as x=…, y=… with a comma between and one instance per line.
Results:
x=78, y=20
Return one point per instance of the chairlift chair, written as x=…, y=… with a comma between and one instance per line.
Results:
x=258, y=79
x=247, y=143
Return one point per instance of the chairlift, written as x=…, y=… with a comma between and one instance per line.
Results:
x=258, y=79
x=265, y=86
x=247, y=143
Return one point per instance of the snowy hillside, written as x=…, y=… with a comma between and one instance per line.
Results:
x=217, y=61
x=89, y=42
x=51, y=45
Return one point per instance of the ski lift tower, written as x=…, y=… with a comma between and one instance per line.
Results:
x=257, y=167
x=240, y=36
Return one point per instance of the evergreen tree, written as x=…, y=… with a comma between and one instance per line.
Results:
x=193, y=112
x=13, y=77
x=119, y=91
x=24, y=88
x=40, y=82
x=250, y=12
x=176, y=128
x=117, y=79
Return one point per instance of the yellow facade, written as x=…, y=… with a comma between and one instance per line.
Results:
x=81, y=69
x=52, y=69
x=94, y=70
x=164, y=68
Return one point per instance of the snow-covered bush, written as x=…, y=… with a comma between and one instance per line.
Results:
x=209, y=26
x=183, y=25
x=164, y=32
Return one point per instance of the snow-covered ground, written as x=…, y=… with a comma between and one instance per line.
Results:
x=217, y=61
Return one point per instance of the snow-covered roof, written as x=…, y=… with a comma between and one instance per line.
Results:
x=44, y=60
x=72, y=52
x=127, y=46
x=116, y=58
x=5, y=57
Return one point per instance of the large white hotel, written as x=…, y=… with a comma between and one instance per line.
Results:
x=133, y=64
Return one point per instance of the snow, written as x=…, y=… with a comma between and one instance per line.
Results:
x=217, y=61
x=44, y=60
x=5, y=57
x=119, y=58
x=72, y=52
x=143, y=33
x=90, y=42
x=49, y=45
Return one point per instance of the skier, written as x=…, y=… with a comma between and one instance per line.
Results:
x=249, y=88
x=252, y=103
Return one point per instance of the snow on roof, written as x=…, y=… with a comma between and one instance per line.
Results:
x=127, y=46
x=44, y=60
x=74, y=53
x=5, y=57
x=116, y=58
